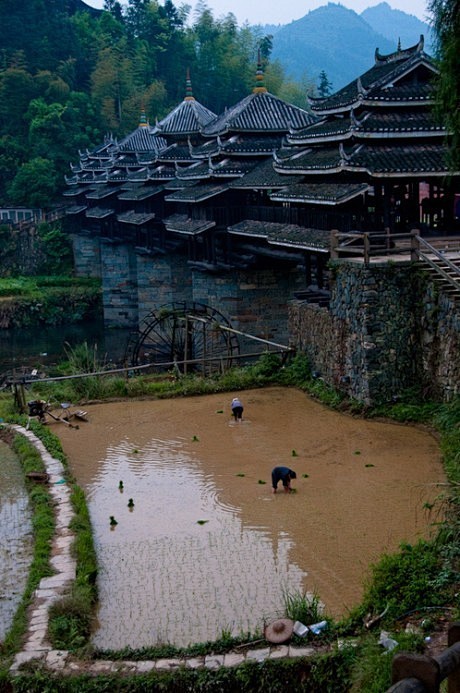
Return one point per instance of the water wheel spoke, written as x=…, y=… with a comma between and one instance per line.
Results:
x=187, y=335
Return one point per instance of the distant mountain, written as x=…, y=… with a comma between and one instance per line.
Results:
x=341, y=42
x=391, y=23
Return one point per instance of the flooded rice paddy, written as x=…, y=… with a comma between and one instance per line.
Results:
x=204, y=546
x=15, y=536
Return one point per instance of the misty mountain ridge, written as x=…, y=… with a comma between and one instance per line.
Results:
x=343, y=43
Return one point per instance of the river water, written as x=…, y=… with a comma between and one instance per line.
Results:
x=42, y=347
x=206, y=547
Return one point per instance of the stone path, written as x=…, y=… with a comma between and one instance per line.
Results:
x=36, y=645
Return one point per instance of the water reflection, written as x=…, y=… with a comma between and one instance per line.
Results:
x=15, y=537
x=44, y=347
x=179, y=567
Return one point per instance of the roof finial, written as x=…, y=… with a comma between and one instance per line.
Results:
x=399, y=45
x=143, y=122
x=260, y=87
x=188, y=88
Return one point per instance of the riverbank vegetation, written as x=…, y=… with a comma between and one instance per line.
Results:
x=411, y=595
x=48, y=300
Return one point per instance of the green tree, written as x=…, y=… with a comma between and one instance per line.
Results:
x=35, y=184
x=324, y=85
x=446, y=22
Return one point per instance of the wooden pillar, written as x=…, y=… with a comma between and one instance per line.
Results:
x=308, y=274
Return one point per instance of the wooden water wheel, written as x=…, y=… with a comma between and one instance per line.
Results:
x=188, y=337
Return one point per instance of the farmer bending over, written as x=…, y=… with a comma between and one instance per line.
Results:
x=285, y=475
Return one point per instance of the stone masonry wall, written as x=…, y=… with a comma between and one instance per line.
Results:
x=162, y=280
x=254, y=301
x=381, y=334
x=87, y=255
x=119, y=285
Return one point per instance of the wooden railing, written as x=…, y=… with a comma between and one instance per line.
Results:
x=414, y=673
x=385, y=244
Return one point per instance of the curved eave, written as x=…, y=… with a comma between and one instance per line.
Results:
x=317, y=200
x=387, y=133
x=391, y=102
x=321, y=139
x=418, y=175
x=323, y=171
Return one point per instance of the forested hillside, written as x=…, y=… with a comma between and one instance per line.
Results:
x=70, y=74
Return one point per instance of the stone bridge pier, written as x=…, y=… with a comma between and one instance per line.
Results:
x=253, y=300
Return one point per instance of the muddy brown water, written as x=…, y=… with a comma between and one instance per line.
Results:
x=207, y=547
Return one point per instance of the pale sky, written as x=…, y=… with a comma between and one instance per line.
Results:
x=257, y=12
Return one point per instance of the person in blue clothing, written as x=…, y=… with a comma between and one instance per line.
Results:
x=285, y=475
x=237, y=409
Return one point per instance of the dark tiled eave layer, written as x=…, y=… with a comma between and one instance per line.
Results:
x=181, y=223
x=176, y=152
x=411, y=159
x=98, y=212
x=75, y=209
x=320, y=193
x=141, y=192
x=366, y=124
x=288, y=235
x=101, y=192
x=416, y=160
x=135, y=218
x=413, y=93
x=197, y=193
x=263, y=176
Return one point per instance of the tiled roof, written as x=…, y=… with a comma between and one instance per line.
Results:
x=320, y=193
x=139, y=176
x=93, y=165
x=376, y=123
x=188, y=118
x=374, y=80
x=230, y=167
x=102, y=191
x=261, y=112
x=176, y=184
x=373, y=159
x=206, y=149
x=75, y=191
x=334, y=127
x=140, y=192
x=413, y=93
x=118, y=175
x=143, y=139
x=162, y=172
x=195, y=171
x=135, y=218
x=147, y=157
x=399, y=122
x=98, y=212
x=288, y=235
x=181, y=223
x=196, y=193
x=175, y=152
x=318, y=160
x=250, y=144
x=75, y=209
x=402, y=159
x=263, y=176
